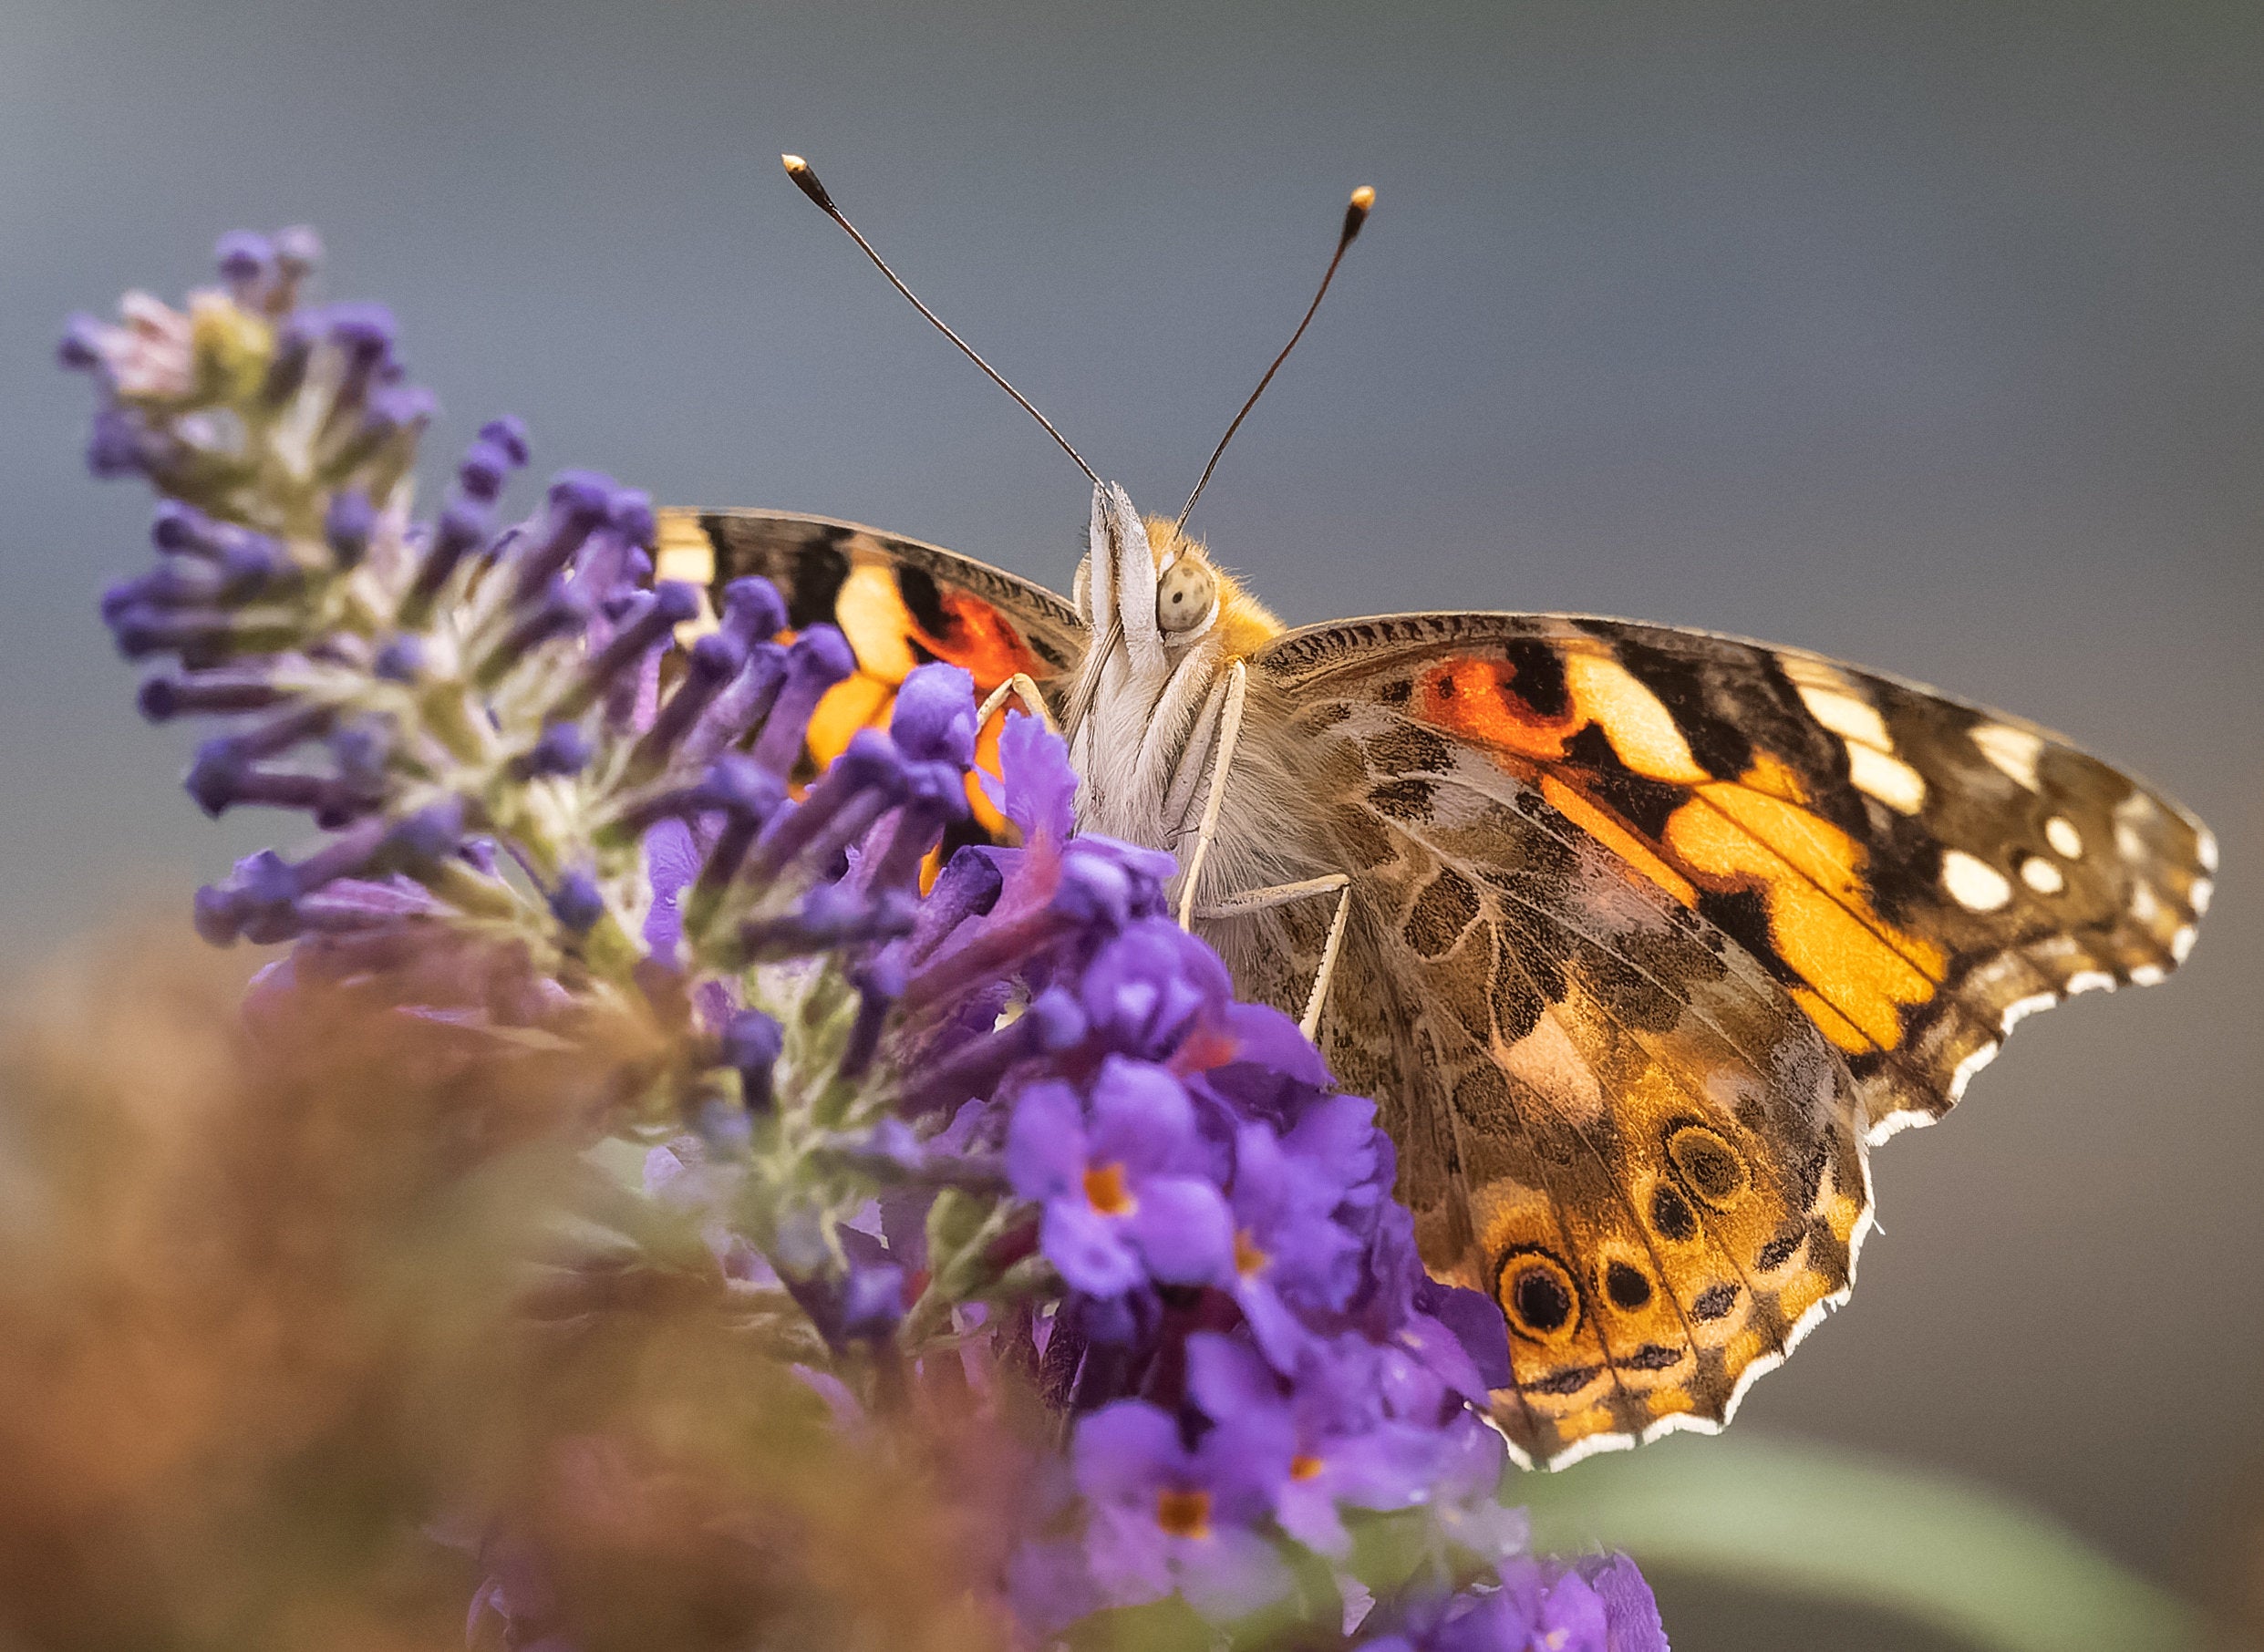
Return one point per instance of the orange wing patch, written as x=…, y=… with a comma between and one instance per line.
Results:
x=982, y=641
x=890, y=642
x=1809, y=874
x=1478, y=699
x=1618, y=836
x=1754, y=834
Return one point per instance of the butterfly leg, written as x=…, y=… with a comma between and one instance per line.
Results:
x=1280, y=895
x=1222, y=760
x=1024, y=690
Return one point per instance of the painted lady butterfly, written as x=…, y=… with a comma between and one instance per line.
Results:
x=1641, y=937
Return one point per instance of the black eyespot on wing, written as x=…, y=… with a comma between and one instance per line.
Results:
x=1543, y=1304
x=1713, y=1303
x=1627, y=1287
x=1671, y=1215
x=1397, y=692
x=1538, y=1293
x=1709, y=1166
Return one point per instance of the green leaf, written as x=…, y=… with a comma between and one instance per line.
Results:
x=1819, y=1522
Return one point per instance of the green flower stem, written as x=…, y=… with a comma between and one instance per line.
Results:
x=958, y=1259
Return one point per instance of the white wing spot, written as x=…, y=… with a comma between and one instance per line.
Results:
x=2147, y=975
x=2020, y=1009
x=2090, y=980
x=2065, y=840
x=2182, y=942
x=2200, y=894
x=1889, y=779
x=1974, y=884
x=2145, y=905
x=1844, y=715
x=2041, y=875
x=2014, y=752
x=2205, y=848
x=1972, y=1064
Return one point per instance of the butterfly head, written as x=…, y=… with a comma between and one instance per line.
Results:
x=1166, y=587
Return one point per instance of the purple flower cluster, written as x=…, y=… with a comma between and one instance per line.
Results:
x=999, y=1125
x=478, y=718
x=1254, y=1367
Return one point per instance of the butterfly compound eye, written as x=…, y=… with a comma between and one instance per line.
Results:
x=1184, y=595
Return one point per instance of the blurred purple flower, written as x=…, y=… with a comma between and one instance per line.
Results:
x=1164, y=1518
x=1328, y=1437
x=1536, y=1606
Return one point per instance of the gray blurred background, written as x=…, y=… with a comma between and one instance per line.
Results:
x=1929, y=334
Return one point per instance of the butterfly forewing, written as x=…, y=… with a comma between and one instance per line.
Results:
x=1913, y=869
x=900, y=603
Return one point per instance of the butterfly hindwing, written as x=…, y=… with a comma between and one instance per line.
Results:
x=899, y=601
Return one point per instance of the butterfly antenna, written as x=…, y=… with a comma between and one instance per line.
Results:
x=1356, y=214
x=807, y=182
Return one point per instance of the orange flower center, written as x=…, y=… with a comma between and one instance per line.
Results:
x=1184, y=1513
x=1302, y=1467
x=1248, y=1259
x=1106, y=1191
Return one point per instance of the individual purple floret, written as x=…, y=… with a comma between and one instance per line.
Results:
x=1165, y=1517
x=1120, y=1179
